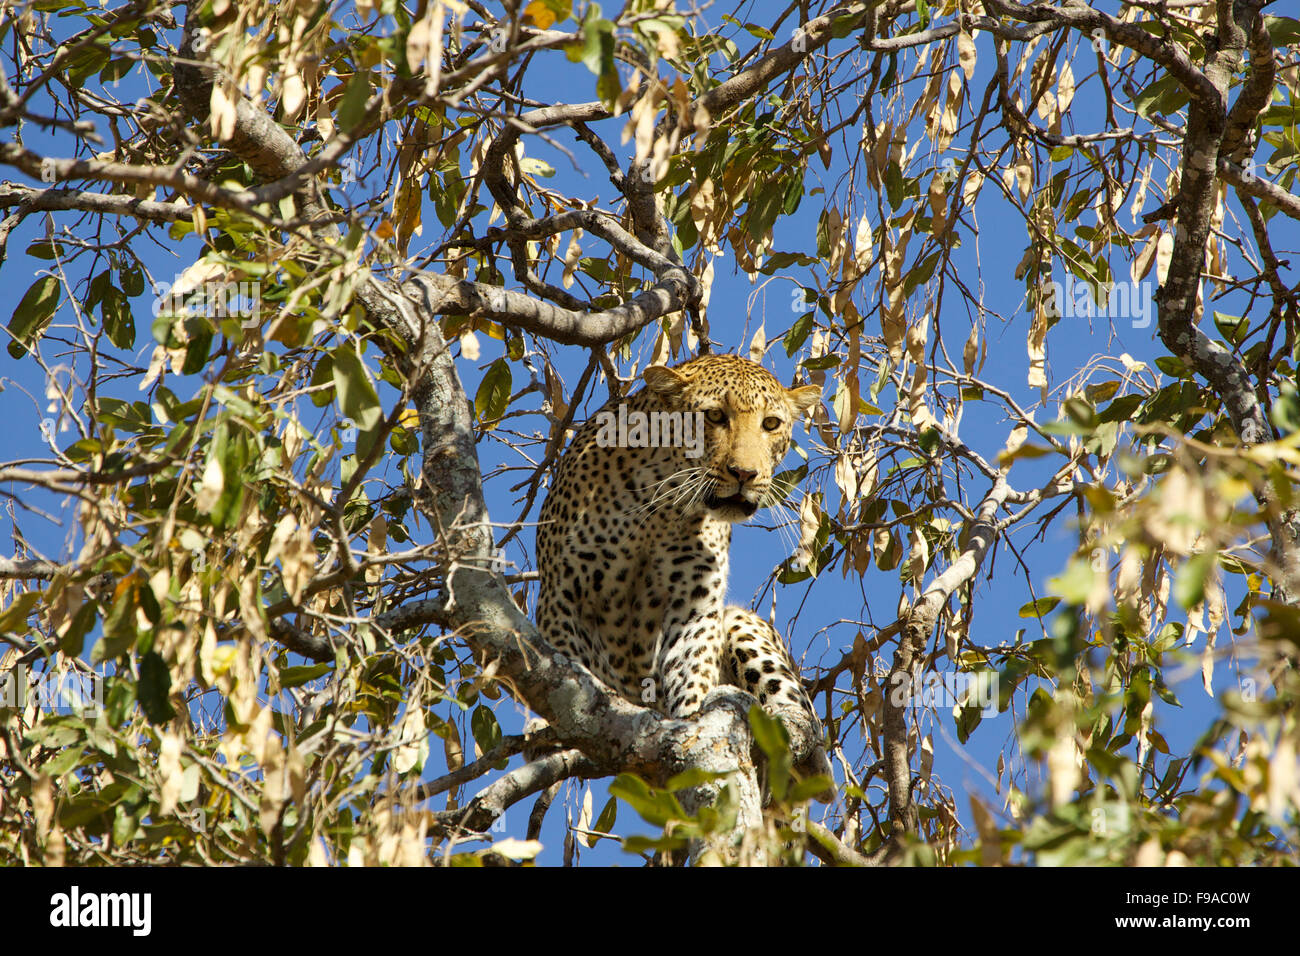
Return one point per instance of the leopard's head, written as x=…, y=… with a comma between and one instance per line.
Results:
x=746, y=414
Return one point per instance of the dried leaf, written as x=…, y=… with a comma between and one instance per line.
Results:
x=1065, y=88
x=169, y=771
x=966, y=54
x=863, y=250
x=970, y=351
x=1164, y=256
x=1024, y=173
x=572, y=256
x=1036, y=345
x=212, y=484
x=469, y=345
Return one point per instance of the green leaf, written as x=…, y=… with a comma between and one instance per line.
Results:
x=605, y=822
x=1102, y=442
x=161, y=328
x=353, y=106
x=33, y=314
x=770, y=734
x=487, y=732
x=119, y=323
x=119, y=626
x=595, y=49
x=14, y=618
x=693, y=778
x=132, y=279
x=1189, y=584
x=1075, y=583
x=810, y=788
x=493, y=393
x=921, y=274
x=1284, y=31
x=890, y=555
x=322, y=376
x=89, y=60
x=641, y=844
x=1101, y=391
x=74, y=639
x=1025, y=451
x=894, y=186
x=844, y=26
x=45, y=249
x=149, y=604
x=1285, y=413
x=356, y=393
x=297, y=676
x=120, y=697
x=1172, y=365
x=57, y=732
x=80, y=811
x=1165, y=694
x=64, y=761
x=822, y=363
x=1232, y=327
x=798, y=333
x=1040, y=607
x=968, y=718
x=228, y=451
x=657, y=808
x=196, y=353
x=1166, y=95
x=1122, y=409
x=154, y=686
x=765, y=207
x=124, y=825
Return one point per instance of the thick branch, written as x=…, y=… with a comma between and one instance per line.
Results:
x=1261, y=189
x=1085, y=19
x=675, y=290
x=30, y=569
x=77, y=200
x=920, y=624
x=1177, y=298
x=516, y=785
x=508, y=747
x=811, y=36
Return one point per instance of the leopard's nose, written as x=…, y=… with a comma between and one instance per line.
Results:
x=740, y=474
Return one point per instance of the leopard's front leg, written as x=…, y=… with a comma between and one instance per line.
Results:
x=690, y=660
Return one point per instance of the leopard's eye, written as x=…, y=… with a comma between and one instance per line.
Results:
x=771, y=423
x=715, y=416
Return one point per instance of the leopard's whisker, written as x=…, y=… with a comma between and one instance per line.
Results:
x=788, y=540
x=686, y=489
x=659, y=493
x=695, y=489
x=704, y=489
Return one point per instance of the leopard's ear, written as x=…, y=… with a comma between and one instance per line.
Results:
x=804, y=397
x=663, y=380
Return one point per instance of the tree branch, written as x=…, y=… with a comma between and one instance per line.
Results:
x=920, y=623
x=60, y=200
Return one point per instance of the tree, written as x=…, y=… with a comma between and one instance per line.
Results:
x=286, y=613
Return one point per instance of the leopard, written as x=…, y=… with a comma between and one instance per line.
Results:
x=633, y=539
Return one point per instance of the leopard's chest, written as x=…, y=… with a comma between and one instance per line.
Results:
x=642, y=566
x=629, y=577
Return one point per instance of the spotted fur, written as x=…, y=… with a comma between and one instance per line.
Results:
x=633, y=543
